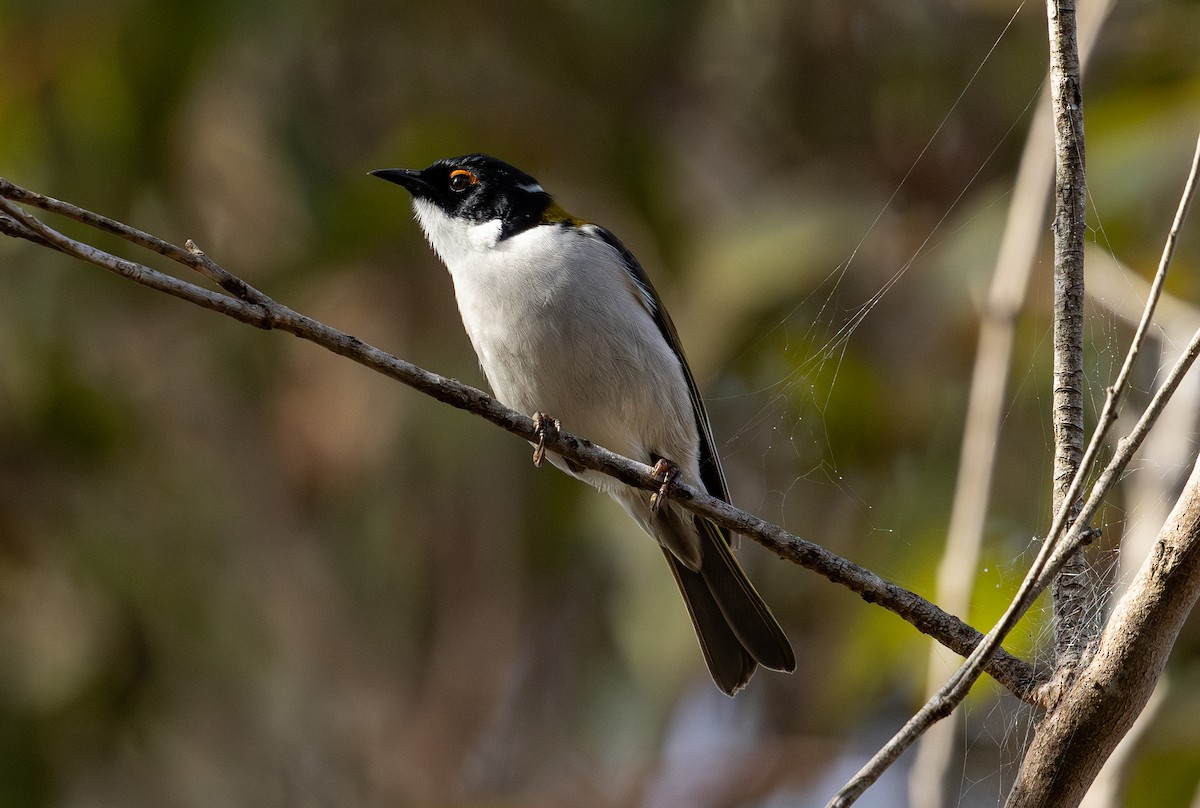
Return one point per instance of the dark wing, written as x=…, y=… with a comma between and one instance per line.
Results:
x=736, y=628
x=710, y=465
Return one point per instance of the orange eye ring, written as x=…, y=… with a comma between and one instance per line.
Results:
x=461, y=179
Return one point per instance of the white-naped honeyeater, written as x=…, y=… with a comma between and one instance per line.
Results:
x=568, y=326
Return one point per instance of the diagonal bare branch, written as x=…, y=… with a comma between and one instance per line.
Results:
x=263, y=312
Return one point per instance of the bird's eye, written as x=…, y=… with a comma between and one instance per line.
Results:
x=461, y=179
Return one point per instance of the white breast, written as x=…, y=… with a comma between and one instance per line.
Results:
x=559, y=327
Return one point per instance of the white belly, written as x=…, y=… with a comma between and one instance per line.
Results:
x=579, y=345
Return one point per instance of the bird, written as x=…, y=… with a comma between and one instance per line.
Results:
x=567, y=326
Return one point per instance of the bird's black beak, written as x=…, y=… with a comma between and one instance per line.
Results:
x=410, y=180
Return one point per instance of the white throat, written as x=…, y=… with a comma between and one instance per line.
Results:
x=455, y=240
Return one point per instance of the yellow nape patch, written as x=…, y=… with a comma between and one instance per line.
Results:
x=554, y=214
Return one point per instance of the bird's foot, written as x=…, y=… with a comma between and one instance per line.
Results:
x=547, y=429
x=666, y=472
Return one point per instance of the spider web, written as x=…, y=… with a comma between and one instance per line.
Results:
x=794, y=411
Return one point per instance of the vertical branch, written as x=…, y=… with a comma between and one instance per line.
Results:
x=1072, y=588
x=1023, y=234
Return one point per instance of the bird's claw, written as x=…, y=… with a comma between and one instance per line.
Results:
x=547, y=429
x=667, y=472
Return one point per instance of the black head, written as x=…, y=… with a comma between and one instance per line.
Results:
x=478, y=188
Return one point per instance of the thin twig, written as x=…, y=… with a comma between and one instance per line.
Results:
x=13, y=227
x=254, y=314
x=1164, y=262
x=1014, y=674
x=191, y=256
x=1054, y=553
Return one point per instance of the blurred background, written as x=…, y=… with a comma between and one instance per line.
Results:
x=237, y=570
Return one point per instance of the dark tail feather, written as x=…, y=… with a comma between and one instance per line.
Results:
x=744, y=609
x=737, y=631
x=728, y=662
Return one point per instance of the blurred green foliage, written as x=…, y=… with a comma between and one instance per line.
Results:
x=236, y=571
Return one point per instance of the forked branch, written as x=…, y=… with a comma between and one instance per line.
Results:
x=1057, y=548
